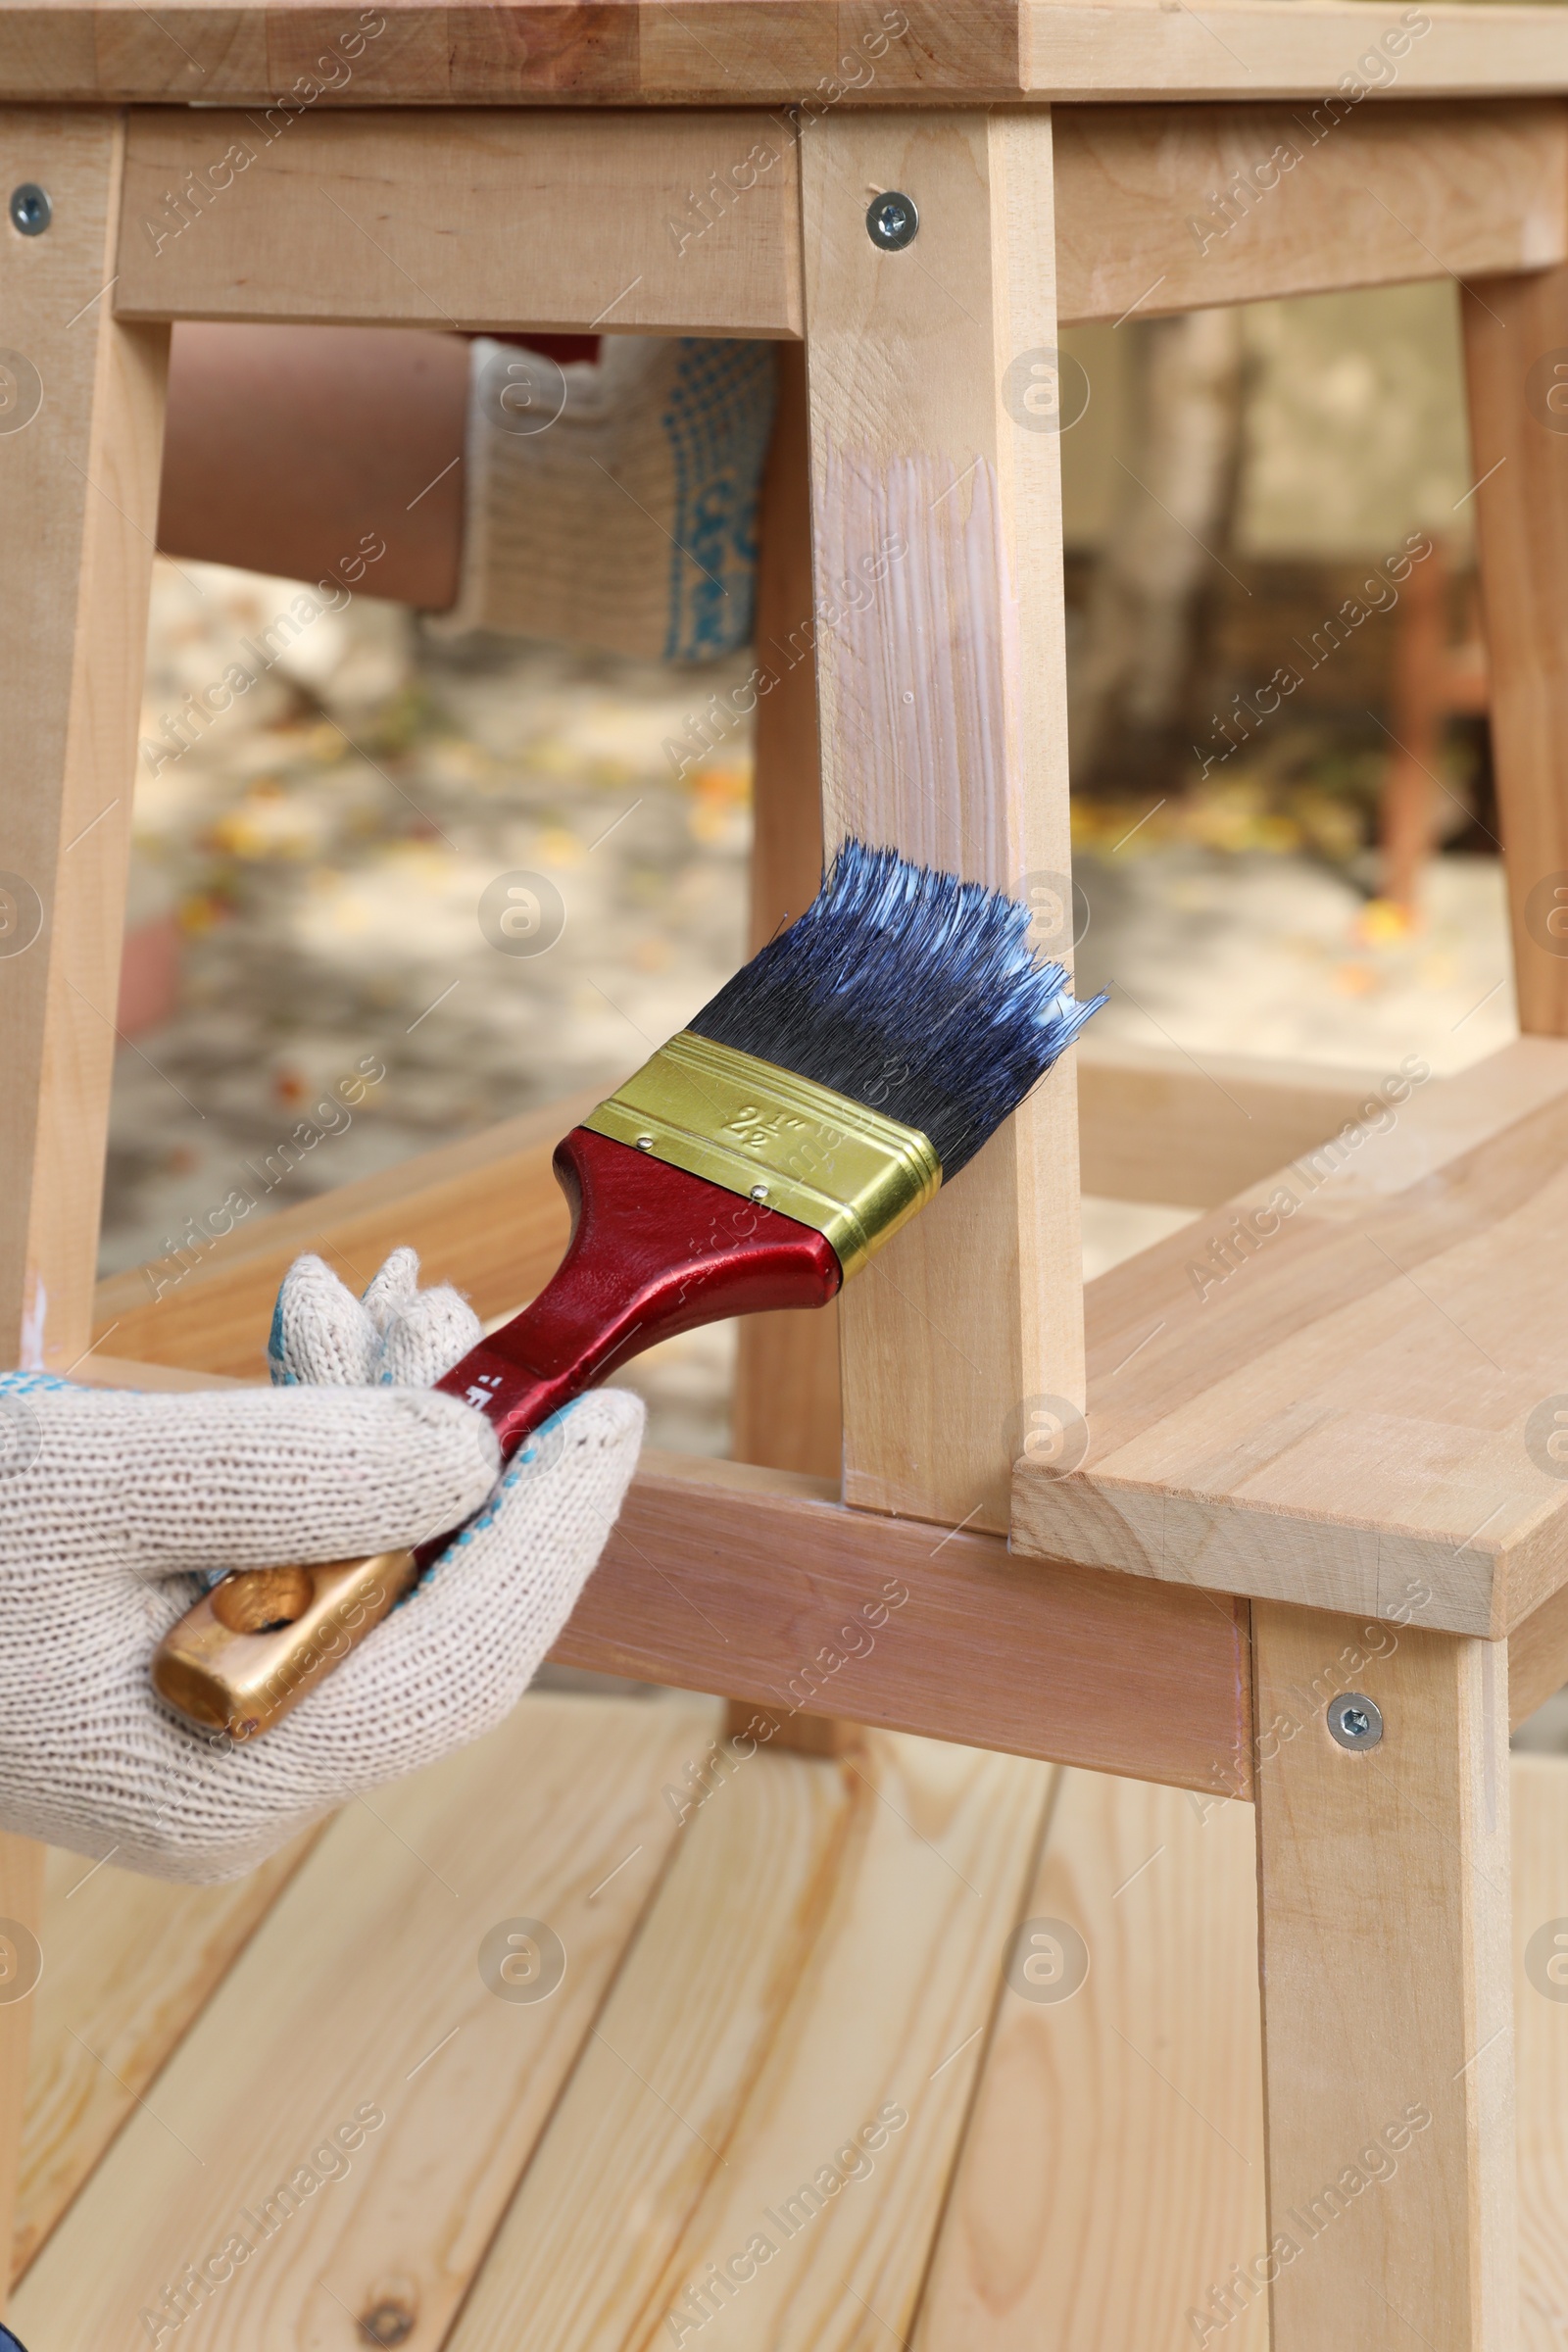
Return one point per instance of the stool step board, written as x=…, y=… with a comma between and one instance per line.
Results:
x=1342, y=1389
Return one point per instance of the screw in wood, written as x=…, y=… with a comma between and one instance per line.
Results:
x=31, y=209
x=892, y=221
x=1355, y=1721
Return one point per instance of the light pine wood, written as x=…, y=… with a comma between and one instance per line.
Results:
x=622, y=51
x=1540, y=1794
x=942, y=708
x=463, y=219
x=1112, y=2168
x=79, y=496
x=1383, y=1910
x=363, y=1984
x=1155, y=1127
x=1519, y=453
x=128, y=1963
x=1342, y=1419
x=21, y=1867
x=786, y=1412
x=794, y=1978
x=1185, y=207
x=486, y=1214
x=760, y=1584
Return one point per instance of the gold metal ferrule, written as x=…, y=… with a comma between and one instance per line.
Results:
x=764, y=1132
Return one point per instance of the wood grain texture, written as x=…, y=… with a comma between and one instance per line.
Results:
x=1515, y=329
x=758, y=1584
x=363, y=1986
x=1153, y=1127
x=21, y=1871
x=622, y=223
x=622, y=52
x=128, y=1963
x=78, y=496
x=1335, y=1407
x=1112, y=2168
x=1387, y=2010
x=1177, y=208
x=786, y=1412
x=824, y=1948
x=1134, y=49
x=485, y=1213
x=937, y=534
x=1540, y=1794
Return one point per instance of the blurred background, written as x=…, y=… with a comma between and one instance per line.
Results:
x=1306, y=869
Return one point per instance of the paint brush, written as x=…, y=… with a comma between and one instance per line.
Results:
x=762, y=1156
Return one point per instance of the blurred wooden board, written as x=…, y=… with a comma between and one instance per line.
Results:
x=1336, y=1413
x=1177, y=208
x=363, y=1988
x=786, y=1992
x=1113, y=2172
x=621, y=52
x=485, y=1213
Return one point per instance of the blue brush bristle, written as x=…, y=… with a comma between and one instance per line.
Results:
x=907, y=990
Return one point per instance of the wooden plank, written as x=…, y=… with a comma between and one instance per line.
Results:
x=1244, y=49
x=1112, y=2168
x=1173, y=208
x=128, y=1963
x=824, y=52
x=485, y=1213
x=1539, y=1794
x=1067, y=1664
x=786, y=1412
x=1153, y=1127
x=362, y=1990
x=1515, y=329
x=78, y=498
x=1384, y=1911
x=1336, y=1408
x=625, y=223
x=822, y=1954
x=934, y=493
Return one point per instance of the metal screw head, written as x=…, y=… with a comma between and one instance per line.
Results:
x=759, y=1192
x=892, y=222
x=1355, y=1721
x=31, y=209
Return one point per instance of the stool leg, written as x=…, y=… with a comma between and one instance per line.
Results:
x=937, y=548
x=1515, y=334
x=786, y=1413
x=78, y=498
x=1388, y=2039
x=81, y=438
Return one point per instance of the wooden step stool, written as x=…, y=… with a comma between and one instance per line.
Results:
x=1321, y=1475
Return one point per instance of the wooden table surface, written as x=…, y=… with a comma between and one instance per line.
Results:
x=824, y=53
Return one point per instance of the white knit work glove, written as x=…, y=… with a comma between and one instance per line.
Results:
x=116, y=1508
x=612, y=503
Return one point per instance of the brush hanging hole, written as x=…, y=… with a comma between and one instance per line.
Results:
x=262, y=1600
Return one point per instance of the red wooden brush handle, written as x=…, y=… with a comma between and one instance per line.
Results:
x=653, y=1251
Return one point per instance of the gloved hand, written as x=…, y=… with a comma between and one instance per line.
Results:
x=113, y=1503
x=612, y=503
